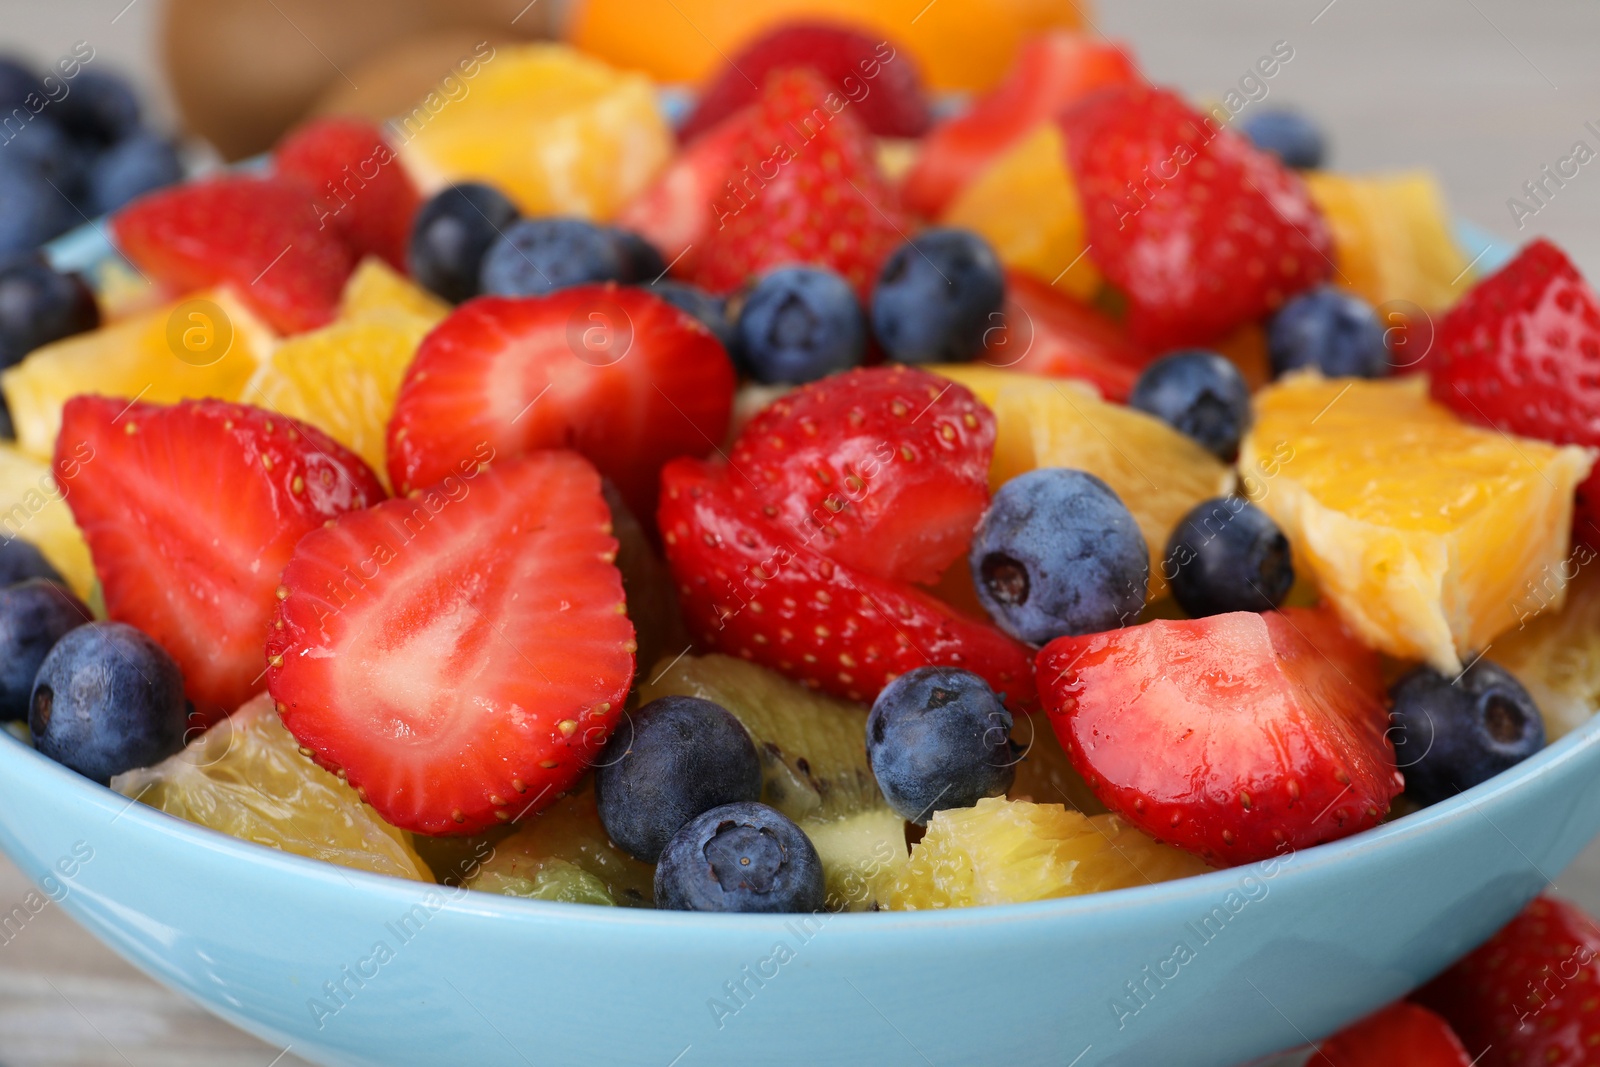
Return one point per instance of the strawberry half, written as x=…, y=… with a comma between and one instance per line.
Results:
x=1401, y=1035
x=749, y=589
x=1200, y=230
x=191, y=512
x=1527, y=995
x=1521, y=352
x=1235, y=736
x=460, y=655
x=362, y=190
x=259, y=235
x=804, y=188
x=884, y=469
x=614, y=373
x=1044, y=331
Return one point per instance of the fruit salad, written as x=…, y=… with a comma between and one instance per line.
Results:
x=840, y=501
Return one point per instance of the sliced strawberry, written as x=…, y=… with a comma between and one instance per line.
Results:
x=1527, y=995
x=460, y=655
x=1200, y=230
x=1401, y=1035
x=1044, y=331
x=624, y=378
x=881, y=81
x=191, y=512
x=1051, y=72
x=362, y=189
x=750, y=589
x=1521, y=351
x=884, y=469
x=1234, y=736
x=259, y=235
x=677, y=211
x=804, y=188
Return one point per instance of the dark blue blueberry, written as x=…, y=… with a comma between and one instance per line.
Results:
x=742, y=857
x=1227, y=555
x=1058, y=553
x=39, y=305
x=1331, y=331
x=32, y=211
x=798, y=324
x=107, y=699
x=100, y=109
x=939, y=738
x=712, y=311
x=451, y=233
x=130, y=168
x=1289, y=135
x=538, y=256
x=21, y=560
x=17, y=82
x=677, y=757
x=642, y=262
x=1197, y=393
x=937, y=296
x=34, y=615
x=50, y=152
x=1449, y=735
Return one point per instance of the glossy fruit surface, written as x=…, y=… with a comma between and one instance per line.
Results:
x=1463, y=730
x=1228, y=555
x=1402, y=1035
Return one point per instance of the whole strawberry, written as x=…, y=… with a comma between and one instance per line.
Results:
x=1401, y=1035
x=1201, y=231
x=1519, y=351
x=362, y=190
x=1527, y=995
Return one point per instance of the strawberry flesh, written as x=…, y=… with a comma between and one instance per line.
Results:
x=1401, y=1035
x=361, y=188
x=1047, y=332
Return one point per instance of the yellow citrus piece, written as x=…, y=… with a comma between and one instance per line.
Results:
x=33, y=507
x=343, y=378
x=1026, y=205
x=559, y=132
x=863, y=855
x=1556, y=655
x=1044, y=773
x=376, y=286
x=1010, y=851
x=1421, y=529
x=246, y=777
x=1391, y=237
x=207, y=345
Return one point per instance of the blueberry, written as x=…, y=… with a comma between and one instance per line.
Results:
x=1197, y=393
x=937, y=296
x=1451, y=735
x=677, y=757
x=1289, y=135
x=21, y=560
x=450, y=235
x=34, y=615
x=1058, y=553
x=130, y=168
x=742, y=857
x=17, y=82
x=39, y=305
x=1227, y=555
x=100, y=109
x=798, y=324
x=1331, y=331
x=712, y=311
x=32, y=211
x=939, y=738
x=538, y=256
x=47, y=149
x=642, y=262
x=107, y=699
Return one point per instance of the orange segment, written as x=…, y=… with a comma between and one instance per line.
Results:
x=1027, y=207
x=33, y=507
x=1557, y=654
x=376, y=286
x=1421, y=529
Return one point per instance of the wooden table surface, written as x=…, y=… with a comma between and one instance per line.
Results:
x=1483, y=92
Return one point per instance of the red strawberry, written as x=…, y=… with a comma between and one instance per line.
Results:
x=1235, y=736
x=460, y=655
x=1401, y=1035
x=804, y=188
x=624, y=378
x=362, y=189
x=750, y=589
x=678, y=210
x=258, y=235
x=884, y=469
x=1521, y=351
x=1044, y=331
x=1200, y=230
x=1528, y=995
x=881, y=82
x=191, y=512
x=1051, y=72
